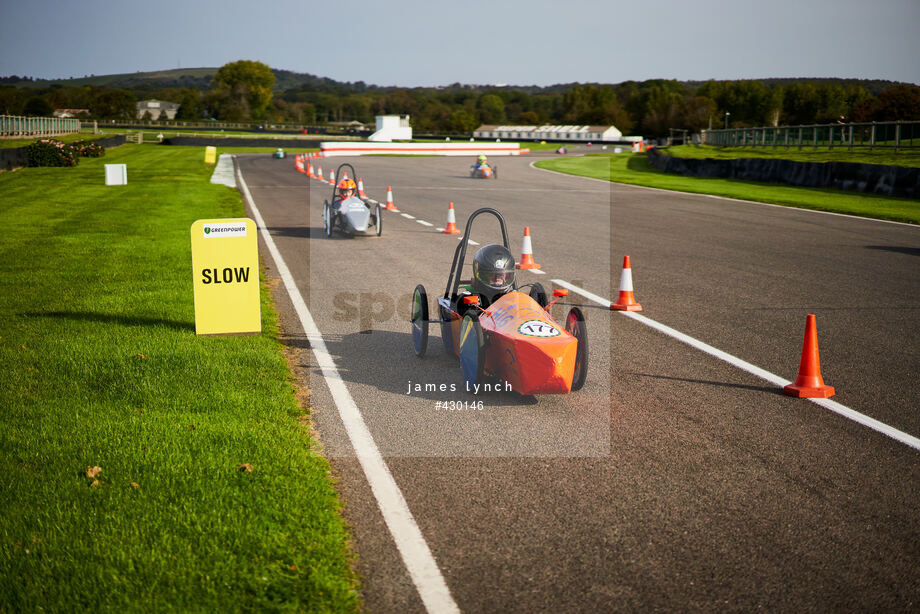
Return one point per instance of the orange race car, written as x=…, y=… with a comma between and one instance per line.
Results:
x=497, y=331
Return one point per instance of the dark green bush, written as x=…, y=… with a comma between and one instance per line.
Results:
x=88, y=149
x=50, y=152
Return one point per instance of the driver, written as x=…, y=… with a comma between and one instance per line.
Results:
x=346, y=188
x=493, y=273
x=481, y=160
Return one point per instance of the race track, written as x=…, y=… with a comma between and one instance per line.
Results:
x=674, y=480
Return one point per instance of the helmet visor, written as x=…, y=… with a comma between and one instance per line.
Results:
x=499, y=279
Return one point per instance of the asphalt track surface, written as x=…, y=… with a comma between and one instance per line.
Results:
x=674, y=481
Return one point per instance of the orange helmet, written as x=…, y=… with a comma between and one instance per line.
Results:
x=345, y=185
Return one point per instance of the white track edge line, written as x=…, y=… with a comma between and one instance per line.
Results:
x=843, y=410
x=409, y=540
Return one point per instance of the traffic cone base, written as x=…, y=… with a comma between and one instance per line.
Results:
x=389, y=205
x=626, y=301
x=809, y=384
x=527, y=261
x=451, y=228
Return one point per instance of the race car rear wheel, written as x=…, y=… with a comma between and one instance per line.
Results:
x=379, y=221
x=494, y=172
x=419, y=320
x=538, y=294
x=575, y=325
x=472, y=350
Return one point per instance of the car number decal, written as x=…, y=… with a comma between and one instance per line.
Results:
x=538, y=328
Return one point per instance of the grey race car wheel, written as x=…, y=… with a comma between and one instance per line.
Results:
x=327, y=219
x=575, y=325
x=419, y=318
x=379, y=220
x=472, y=350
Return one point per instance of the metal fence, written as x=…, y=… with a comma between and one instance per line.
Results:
x=895, y=135
x=13, y=127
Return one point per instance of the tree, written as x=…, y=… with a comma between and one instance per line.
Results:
x=189, y=105
x=114, y=104
x=898, y=103
x=38, y=107
x=462, y=120
x=491, y=109
x=244, y=88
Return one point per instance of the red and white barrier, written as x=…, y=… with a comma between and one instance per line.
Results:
x=363, y=148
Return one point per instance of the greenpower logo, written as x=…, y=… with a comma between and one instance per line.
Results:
x=225, y=229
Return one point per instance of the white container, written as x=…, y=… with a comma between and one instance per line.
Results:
x=116, y=174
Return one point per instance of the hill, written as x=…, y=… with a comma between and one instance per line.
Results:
x=200, y=78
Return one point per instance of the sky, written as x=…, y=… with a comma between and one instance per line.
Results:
x=413, y=43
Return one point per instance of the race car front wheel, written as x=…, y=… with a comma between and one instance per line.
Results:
x=419, y=319
x=538, y=294
x=327, y=219
x=379, y=223
x=472, y=351
x=575, y=325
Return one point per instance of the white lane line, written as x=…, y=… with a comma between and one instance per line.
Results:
x=424, y=223
x=833, y=406
x=409, y=540
x=535, y=271
x=407, y=216
x=439, y=229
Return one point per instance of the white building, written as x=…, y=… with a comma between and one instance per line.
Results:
x=587, y=134
x=158, y=109
x=392, y=128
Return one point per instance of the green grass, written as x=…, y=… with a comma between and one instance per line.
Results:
x=100, y=366
x=634, y=169
x=863, y=155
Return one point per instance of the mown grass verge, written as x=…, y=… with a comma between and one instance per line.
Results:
x=634, y=169
x=126, y=441
x=862, y=155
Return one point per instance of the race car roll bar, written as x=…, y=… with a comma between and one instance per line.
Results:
x=453, y=282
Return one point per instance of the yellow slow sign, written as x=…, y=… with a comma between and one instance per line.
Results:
x=225, y=268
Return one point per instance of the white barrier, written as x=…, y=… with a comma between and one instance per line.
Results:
x=353, y=148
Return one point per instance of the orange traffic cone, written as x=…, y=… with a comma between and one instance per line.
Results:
x=319, y=174
x=390, y=206
x=527, y=253
x=361, y=188
x=298, y=163
x=809, y=384
x=310, y=173
x=626, y=301
x=451, y=222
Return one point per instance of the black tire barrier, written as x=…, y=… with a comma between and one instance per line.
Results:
x=869, y=178
x=217, y=141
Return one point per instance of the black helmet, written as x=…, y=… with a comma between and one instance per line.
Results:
x=493, y=271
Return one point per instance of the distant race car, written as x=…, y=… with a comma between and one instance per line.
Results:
x=350, y=214
x=484, y=171
x=278, y=154
x=513, y=339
